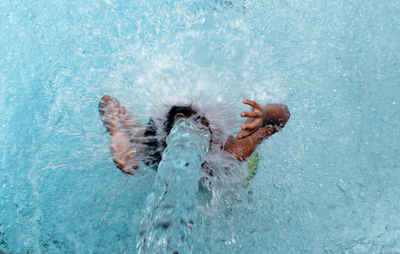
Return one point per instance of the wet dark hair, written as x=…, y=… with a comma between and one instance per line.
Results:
x=155, y=147
x=169, y=123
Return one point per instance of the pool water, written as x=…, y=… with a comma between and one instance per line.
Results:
x=328, y=182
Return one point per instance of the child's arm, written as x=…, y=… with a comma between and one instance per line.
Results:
x=261, y=123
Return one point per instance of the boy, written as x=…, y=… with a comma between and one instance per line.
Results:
x=129, y=142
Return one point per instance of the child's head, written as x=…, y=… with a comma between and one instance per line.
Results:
x=175, y=111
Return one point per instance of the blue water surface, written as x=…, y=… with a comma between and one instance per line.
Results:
x=329, y=182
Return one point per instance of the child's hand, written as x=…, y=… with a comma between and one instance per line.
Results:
x=254, y=119
x=124, y=154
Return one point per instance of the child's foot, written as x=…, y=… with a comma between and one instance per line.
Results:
x=120, y=125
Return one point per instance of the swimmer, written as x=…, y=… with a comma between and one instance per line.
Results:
x=129, y=142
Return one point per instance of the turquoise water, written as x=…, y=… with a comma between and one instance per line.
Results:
x=328, y=182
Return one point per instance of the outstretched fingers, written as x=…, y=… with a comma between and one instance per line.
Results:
x=254, y=104
x=124, y=154
x=121, y=165
x=253, y=125
x=243, y=134
x=251, y=114
x=132, y=161
x=254, y=119
x=125, y=164
x=127, y=171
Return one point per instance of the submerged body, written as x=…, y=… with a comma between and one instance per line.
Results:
x=131, y=143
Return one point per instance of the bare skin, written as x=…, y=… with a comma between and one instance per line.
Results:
x=261, y=123
x=121, y=125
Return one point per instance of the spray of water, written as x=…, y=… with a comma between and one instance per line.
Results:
x=171, y=206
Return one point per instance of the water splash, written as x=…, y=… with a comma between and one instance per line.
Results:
x=171, y=206
x=321, y=187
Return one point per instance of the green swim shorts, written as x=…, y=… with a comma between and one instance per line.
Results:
x=252, y=166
